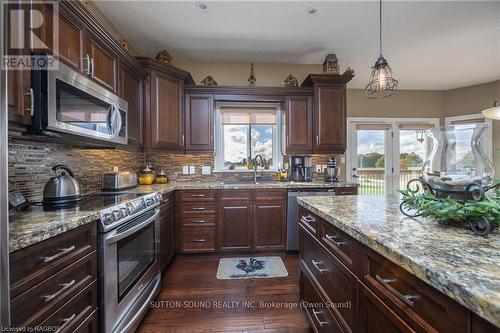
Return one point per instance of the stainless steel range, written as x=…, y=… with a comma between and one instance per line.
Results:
x=129, y=274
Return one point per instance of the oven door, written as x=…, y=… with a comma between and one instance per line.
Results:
x=79, y=106
x=128, y=263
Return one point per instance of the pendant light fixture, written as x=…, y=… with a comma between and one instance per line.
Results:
x=381, y=84
x=493, y=112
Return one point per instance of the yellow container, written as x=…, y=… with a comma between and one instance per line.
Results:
x=147, y=176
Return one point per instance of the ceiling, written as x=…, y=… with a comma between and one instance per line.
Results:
x=432, y=45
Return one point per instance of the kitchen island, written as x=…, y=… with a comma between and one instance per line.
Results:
x=408, y=264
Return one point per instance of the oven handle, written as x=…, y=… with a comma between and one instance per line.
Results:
x=134, y=229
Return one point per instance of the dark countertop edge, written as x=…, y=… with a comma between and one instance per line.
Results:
x=385, y=251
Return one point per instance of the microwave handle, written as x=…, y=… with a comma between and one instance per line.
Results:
x=114, y=120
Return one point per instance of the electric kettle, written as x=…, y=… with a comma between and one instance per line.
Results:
x=62, y=190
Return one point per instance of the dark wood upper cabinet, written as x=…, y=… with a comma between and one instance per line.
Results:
x=235, y=226
x=130, y=89
x=164, y=124
x=199, y=122
x=329, y=111
x=104, y=64
x=269, y=223
x=298, y=123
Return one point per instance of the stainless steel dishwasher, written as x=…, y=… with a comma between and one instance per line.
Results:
x=292, y=227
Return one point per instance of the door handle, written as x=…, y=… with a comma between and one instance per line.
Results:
x=316, y=313
x=57, y=255
x=199, y=240
x=66, y=322
x=317, y=139
x=316, y=265
x=87, y=65
x=408, y=299
x=65, y=286
x=92, y=67
x=31, y=109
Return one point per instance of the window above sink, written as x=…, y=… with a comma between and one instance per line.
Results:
x=244, y=130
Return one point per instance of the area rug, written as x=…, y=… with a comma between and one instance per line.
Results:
x=251, y=268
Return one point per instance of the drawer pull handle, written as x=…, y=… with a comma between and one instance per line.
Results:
x=333, y=240
x=316, y=265
x=199, y=221
x=198, y=195
x=408, y=299
x=308, y=218
x=198, y=208
x=316, y=314
x=199, y=240
x=66, y=322
x=60, y=254
x=65, y=286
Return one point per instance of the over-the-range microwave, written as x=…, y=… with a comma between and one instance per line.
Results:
x=65, y=101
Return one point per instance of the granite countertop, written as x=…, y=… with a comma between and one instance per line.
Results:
x=453, y=260
x=35, y=225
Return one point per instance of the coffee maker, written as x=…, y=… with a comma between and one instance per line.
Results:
x=331, y=171
x=301, y=168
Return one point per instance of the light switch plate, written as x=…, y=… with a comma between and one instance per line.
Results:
x=318, y=167
x=185, y=170
x=192, y=170
x=323, y=168
x=342, y=160
x=205, y=170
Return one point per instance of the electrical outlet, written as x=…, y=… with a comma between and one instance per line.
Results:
x=318, y=167
x=205, y=170
x=185, y=170
x=192, y=170
x=342, y=160
x=323, y=168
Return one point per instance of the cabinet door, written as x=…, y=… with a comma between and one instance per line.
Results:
x=329, y=118
x=167, y=221
x=131, y=91
x=199, y=122
x=104, y=65
x=269, y=225
x=298, y=117
x=376, y=317
x=235, y=226
x=167, y=121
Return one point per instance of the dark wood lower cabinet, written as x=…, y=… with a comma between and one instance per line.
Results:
x=235, y=226
x=167, y=229
x=269, y=225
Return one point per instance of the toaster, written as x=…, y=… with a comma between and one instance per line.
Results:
x=118, y=180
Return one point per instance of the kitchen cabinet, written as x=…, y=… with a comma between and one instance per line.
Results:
x=167, y=230
x=269, y=220
x=235, y=226
x=329, y=111
x=298, y=125
x=164, y=123
x=130, y=89
x=199, y=122
x=383, y=296
x=49, y=284
x=104, y=63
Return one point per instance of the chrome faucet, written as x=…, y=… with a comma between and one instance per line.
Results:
x=255, y=165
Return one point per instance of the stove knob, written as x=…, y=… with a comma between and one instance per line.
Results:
x=107, y=218
x=125, y=211
x=149, y=201
x=116, y=215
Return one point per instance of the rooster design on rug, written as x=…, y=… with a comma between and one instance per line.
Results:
x=250, y=267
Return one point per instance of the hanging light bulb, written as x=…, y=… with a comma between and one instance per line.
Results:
x=381, y=84
x=494, y=112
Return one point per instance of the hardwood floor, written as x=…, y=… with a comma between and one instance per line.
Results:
x=192, y=301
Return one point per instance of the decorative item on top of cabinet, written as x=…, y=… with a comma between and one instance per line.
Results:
x=164, y=57
x=209, y=81
x=252, y=79
x=164, y=127
x=290, y=81
x=329, y=115
x=199, y=122
x=298, y=124
x=331, y=64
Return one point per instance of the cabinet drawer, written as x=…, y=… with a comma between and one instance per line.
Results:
x=35, y=263
x=197, y=195
x=317, y=312
x=341, y=245
x=337, y=282
x=34, y=305
x=235, y=195
x=346, y=190
x=200, y=208
x=199, y=221
x=89, y=325
x=420, y=305
x=270, y=194
x=309, y=221
x=198, y=240
x=75, y=312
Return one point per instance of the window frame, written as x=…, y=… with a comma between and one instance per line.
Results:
x=219, y=135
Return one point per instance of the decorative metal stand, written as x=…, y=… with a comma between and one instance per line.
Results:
x=473, y=192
